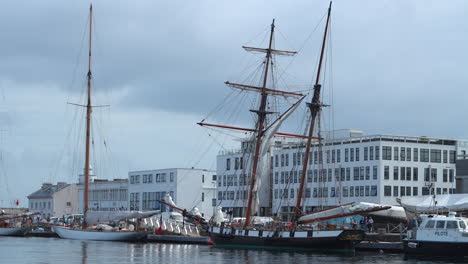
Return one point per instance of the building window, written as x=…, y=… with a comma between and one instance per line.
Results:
x=374, y=190
x=436, y=156
x=228, y=164
x=366, y=152
x=132, y=179
x=445, y=156
x=386, y=172
x=351, y=191
x=338, y=155
x=386, y=153
x=402, y=173
x=451, y=175
x=171, y=177
x=395, y=153
x=150, y=178
x=361, y=190
x=158, y=177
x=425, y=191
x=415, y=154
x=351, y=155
x=402, y=191
x=444, y=175
x=395, y=173
x=357, y=154
x=408, y=154
x=387, y=190
x=452, y=156
x=371, y=153
x=402, y=154
x=346, y=155
x=424, y=155
x=408, y=173
x=345, y=192
x=367, y=190
x=415, y=174
x=395, y=190
x=163, y=177
x=374, y=173
x=415, y=191
x=348, y=174
x=276, y=160
x=356, y=173
x=236, y=163
x=426, y=174
x=361, y=173
x=434, y=175
x=377, y=153
x=68, y=203
x=367, y=173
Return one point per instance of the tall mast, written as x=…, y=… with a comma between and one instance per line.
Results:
x=88, y=118
x=260, y=124
x=315, y=107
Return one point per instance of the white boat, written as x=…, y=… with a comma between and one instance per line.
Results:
x=80, y=234
x=440, y=236
x=14, y=231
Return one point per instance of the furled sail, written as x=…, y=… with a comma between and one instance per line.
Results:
x=168, y=199
x=218, y=216
x=95, y=217
x=263, y=170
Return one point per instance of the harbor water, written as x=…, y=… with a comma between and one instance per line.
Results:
x=53, y=250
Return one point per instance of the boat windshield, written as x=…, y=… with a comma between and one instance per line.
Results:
x=452, y=224
x=440, y=224
x=462, y=224
x=430, y=224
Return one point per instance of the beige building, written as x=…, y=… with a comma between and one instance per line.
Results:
x=55, y=200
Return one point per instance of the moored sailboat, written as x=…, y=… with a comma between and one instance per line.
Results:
x=84, y=231
x=299, y=237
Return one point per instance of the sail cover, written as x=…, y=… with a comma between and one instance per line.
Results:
x=438, y=204
x=341, y=211
x=263, y=169
x=94, y=217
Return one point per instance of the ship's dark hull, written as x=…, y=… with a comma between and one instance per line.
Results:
x=344, y=242
x=436, y=249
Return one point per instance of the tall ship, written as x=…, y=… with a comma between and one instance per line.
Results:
x=300, y=235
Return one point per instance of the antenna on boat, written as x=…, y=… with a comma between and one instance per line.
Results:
x=315, y=107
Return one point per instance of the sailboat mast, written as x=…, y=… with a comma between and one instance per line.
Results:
x=260, y=124
x=315, y=107
x=88, y=118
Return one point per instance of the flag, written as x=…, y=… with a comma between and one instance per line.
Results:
x=159, y=230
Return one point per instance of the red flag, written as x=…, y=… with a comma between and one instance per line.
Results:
x=159, y=230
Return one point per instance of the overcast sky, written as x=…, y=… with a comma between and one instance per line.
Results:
x=398, y=67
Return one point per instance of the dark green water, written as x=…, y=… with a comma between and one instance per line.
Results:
x=54, y=250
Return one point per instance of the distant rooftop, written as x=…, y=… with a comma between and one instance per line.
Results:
x=47, y=190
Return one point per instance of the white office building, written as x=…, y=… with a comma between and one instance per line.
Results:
x=188, y=188
x=354, y=168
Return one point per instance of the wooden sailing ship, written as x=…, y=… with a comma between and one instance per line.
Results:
x=85, y=233
x=297, y=238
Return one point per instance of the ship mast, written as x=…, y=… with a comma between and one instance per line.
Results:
x=315, y=107
x=88, y=120
x=260, y=124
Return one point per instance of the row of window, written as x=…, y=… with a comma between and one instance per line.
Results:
x=148, y=178
x=430, y=174
x=238, y=163
x=348, y=191
x=324, y=175
x=422, y=155
x=40, y=205
x=413, y=191
x=354, y=154
x=108, y=195
x=150, y=200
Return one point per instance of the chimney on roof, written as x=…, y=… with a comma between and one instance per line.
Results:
x=46, y=185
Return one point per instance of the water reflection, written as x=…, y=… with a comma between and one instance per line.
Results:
x=50, y=250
